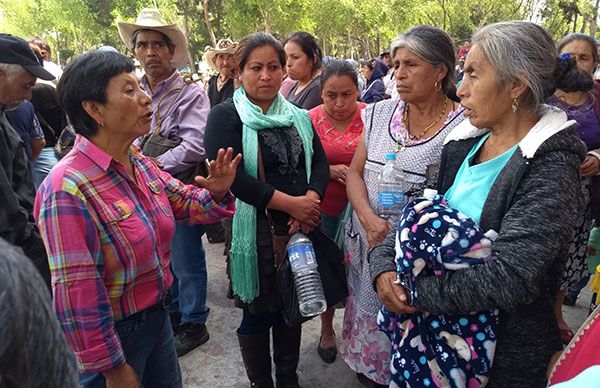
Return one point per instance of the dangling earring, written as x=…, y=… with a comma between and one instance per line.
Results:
x=437, y=85
x=515, y=105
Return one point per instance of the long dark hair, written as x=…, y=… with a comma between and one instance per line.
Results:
x=309, y=46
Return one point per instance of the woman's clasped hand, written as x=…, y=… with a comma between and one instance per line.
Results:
x=338, y=173
x=393, y=295
x=305, y=213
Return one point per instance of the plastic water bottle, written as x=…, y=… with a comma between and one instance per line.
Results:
x=307, y=279
x=390, y=195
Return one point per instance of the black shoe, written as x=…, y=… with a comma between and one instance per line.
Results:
x=191, y=335
x=570, y=300
x=175, y=322
x=327, y=355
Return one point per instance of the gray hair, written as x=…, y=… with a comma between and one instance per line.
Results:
x=577, y=36
x=11, y=70
x=33, y=349
x=521, y=52
x=432, y=45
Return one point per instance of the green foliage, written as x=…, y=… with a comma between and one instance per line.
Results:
x=345, y=28
x=562, y=17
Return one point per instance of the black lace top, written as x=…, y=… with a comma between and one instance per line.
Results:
x=283, y=159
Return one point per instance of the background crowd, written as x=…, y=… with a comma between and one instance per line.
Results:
x=110, y=180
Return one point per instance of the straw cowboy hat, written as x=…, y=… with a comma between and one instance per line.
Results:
x=151, y=19
x=223, y=46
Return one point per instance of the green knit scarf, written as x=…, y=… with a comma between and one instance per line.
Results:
x=281, y=114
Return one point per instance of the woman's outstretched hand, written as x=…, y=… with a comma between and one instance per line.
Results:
x=221, y=173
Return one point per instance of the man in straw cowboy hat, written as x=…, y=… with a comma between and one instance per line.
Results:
x=176, y=139
x=220, y=58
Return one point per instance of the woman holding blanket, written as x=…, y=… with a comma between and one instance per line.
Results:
x=262, y=123
x=509, y=168
x=414, y=127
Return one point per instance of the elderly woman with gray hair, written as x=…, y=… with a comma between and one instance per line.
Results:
x=414, y=128
x=514, y=168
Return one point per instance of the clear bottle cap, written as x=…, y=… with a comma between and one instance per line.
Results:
x=390, y=156
x=429, y=193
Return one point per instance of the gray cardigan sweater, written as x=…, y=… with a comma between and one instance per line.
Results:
x=533, y=205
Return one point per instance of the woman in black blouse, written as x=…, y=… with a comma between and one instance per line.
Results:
x=260, y=122
x=304, y=64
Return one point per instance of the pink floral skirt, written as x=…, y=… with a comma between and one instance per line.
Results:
x=363, y=347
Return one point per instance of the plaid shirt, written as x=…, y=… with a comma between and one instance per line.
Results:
x=109, y=243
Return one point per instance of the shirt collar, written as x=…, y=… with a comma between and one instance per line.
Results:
x=162, y=85
x=97, y=155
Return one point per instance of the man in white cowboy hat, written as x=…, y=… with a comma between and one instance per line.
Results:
x=220, y=58
x=176, y=139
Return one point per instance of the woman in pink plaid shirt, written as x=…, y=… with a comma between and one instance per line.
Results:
x=107, y=216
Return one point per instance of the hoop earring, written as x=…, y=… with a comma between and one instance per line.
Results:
x=515, y=105
x=437, y=85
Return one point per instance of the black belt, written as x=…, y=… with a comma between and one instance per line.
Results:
x=163, y=303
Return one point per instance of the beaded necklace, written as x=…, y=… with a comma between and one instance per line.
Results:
x=402, y=142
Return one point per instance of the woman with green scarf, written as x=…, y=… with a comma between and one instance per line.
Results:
x=296, y=173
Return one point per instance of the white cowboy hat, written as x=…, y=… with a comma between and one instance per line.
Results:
x=151, y=19
x=223, y=46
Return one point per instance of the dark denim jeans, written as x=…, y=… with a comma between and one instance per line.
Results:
x=149, y=349
x=188, y=264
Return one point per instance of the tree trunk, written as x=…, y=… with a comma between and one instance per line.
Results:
x=584, y=24
x=594, y=16
x=208, y=25
x=185, y=5
x=266, y=20
x=378, y=42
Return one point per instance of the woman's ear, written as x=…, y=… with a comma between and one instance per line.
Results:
x=517, y=90
x=95, y=110
x=442, y=72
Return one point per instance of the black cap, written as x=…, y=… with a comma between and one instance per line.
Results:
x=15, y=50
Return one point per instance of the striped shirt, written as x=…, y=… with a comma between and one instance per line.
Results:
x=108, y=239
